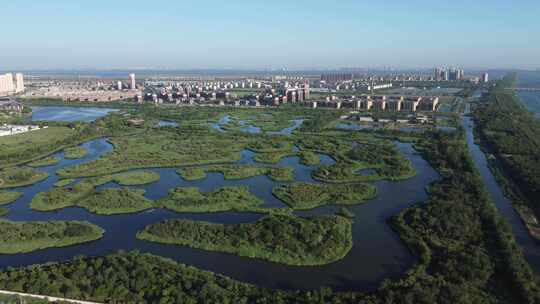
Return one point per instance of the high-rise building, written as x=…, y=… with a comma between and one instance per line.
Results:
x=6, y=84
x=485, y=77
x=306, y=90
x=132, y=82
x=438, y=74
x=119, y=85
x=19, y=83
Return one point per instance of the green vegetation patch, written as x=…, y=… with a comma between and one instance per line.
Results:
x=277, y=238
x=223, y=199
x=130, y=278
x=22, y=237
x=116, y=201
x=20, y=177
x=383, y=159
x=136, y=178
x=8, y=197
x=192, y=173
x=162, y=148
x=345, y=212
x=64, y=182
x=48, y=161
x=27, y=146
x=236, y=172
x=62, y=197
x=3, y=211
x=266, y=144
x=302, y=196
x=309, y=158
x=75, y=153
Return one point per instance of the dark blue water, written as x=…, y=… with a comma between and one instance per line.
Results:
x=378, y=253
x=69, y=114
x=531, y=99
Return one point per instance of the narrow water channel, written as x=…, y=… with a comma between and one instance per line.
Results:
x=530, y=247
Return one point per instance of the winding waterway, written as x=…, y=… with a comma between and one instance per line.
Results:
x=377, y=254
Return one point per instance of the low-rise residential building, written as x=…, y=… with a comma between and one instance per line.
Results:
x=10, y=106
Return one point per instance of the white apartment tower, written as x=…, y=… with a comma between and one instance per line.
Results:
x=485, y=77
x=6, y=84
x=19, y=83
x=132, y=82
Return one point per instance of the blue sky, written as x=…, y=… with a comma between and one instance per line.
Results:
x=296, y=34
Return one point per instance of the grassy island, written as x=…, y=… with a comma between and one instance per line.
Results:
x=8, y=197
x=61, y=197
x=75, y=153
x=236, y=172
x=48, y=161
x=162, y=148
x=309, y=158
x=302, y=196
x=84, y=194
x=21, y=237
x=64, y=182
x=136, y=178
x=277, y=238
x=192, y=173
x=223, y=199
x=381, y=161
x=116, y=201
x=20, y=177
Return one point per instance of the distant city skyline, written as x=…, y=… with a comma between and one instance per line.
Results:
x=299, y=35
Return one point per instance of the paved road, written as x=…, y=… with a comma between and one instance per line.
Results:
x=50, y=299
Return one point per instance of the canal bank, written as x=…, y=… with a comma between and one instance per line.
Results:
x=530, y=247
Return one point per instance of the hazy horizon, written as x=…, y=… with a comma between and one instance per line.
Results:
x=244, y=35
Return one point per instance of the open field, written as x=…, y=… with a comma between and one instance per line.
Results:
x=21, y=147
x=282, y=239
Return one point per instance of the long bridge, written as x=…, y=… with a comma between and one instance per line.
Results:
x=525, y=89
